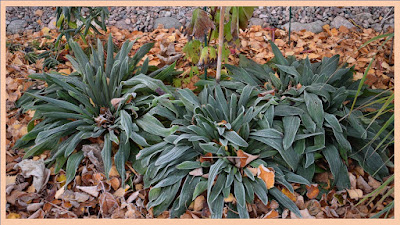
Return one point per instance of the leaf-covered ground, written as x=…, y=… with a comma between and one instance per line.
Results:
x=34, y=191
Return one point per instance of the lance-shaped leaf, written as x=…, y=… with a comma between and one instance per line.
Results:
x=291, y=125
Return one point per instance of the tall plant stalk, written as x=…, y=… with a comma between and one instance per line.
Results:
x=220, y=42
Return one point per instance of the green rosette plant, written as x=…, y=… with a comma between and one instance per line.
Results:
x=218, y=149
x=108, y=97
x=316, y=114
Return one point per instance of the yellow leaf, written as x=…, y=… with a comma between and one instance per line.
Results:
x=289, y=194
x=61, y=179
x=326, y=27
x=230, y=198
x=13, y=216
x=171, y=38
x=45, y=30
x=267, y=175
x=65, y=71
x=334, y=32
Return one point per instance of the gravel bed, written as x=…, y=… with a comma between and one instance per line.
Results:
x=19, y=19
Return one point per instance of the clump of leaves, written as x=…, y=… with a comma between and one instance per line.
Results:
x=316, y=116
x=221, y=138
x=206, y=24
x=71, y=23
x=107, y=97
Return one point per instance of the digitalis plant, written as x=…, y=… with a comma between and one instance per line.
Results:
x=219, y=148
x=314, y=113
x=107, y=97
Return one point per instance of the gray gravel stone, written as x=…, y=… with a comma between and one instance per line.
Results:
x=340, y=21
x=168, y=22
x=145, y=17
x=256, y=21
x=363, y=16
x=122, y=25
x=16, y=26
x=315, y=27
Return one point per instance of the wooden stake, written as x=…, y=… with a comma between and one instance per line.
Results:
x=220, y=42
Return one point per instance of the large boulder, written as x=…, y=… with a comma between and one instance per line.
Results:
x=16, y=26
x=168, y=22
x=340, y=21
x=315, y=27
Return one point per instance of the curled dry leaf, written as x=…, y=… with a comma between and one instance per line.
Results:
x=267, y=175
x=113, y=172
x=115, y=183
x=200, y=24
x=196, y=172
x=115, y=102
x=300, y=202
x=373, y=183
x=304, y=215
x=93, y=153
x=34, y=206
x=313, y=206
x=353, y=182
x=121, y=192
x=92, y=190
x=133, y=197
x=312, y=191
x=59, y=192
x=10, y=180
x=199, y=203
x=363, y=185
x=244, y=159
x=206, y=157
x=355, y=193
x=35, y=169
x=107, y=203
x=271, y=214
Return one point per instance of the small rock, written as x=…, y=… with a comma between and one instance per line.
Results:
x=256, y=21
x=127, y=21
x=168, y=14
x=340, y=21
x=168, y=22
x=122, y=25
x=363, y=16
x=16, y=26
x=315, y=27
